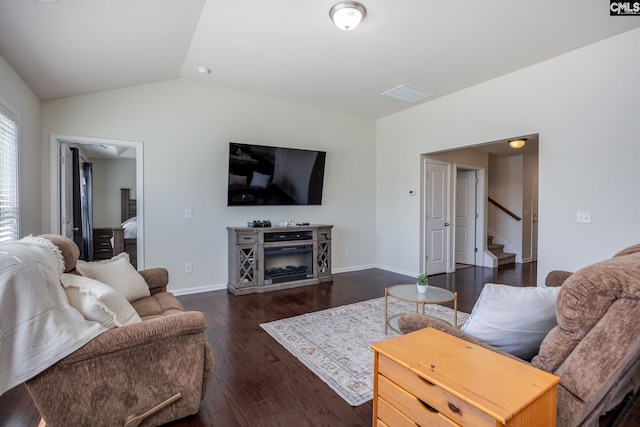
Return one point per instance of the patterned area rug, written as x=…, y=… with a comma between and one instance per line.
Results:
x=335, y=343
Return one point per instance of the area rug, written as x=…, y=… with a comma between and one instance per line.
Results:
x=335, y=343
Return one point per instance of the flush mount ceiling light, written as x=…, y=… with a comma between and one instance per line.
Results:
x=347, y=14
x=517, y=143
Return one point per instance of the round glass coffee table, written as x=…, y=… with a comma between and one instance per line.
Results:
x=409, y=293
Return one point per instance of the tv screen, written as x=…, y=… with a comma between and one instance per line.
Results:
x=262, y=175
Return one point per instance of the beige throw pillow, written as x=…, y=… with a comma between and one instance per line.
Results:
x=98, y=302
x=118, y=273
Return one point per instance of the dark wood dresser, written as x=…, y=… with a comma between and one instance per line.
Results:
x=102, y=243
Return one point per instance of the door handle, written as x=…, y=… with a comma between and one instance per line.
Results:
x=446, y=224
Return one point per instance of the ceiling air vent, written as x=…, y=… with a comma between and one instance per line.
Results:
x=407, y=93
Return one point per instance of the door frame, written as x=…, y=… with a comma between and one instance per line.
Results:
x=55, y=143
x=471, y=247
x=423, y=213
x=482, y=259
x=481, y=211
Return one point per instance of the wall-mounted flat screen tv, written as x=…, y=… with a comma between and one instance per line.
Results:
x=262, y=175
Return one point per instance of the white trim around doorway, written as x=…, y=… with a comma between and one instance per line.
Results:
x=55, y=142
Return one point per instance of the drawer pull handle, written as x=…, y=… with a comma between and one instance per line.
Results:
x=426, y=382
x=429, y=407
x=454, y=408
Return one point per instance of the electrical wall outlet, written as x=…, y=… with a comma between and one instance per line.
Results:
x=188, y=213
x=188, y=267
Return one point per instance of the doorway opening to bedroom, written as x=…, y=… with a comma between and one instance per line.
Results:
x=94, y=182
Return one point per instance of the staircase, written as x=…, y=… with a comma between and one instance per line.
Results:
x=504, y=258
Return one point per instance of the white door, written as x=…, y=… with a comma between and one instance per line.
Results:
x=66, y=191
x=436, y=195
x=465, y=225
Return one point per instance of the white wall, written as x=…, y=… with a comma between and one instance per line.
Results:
x=109, y=176
x=17, y=96
x=584, y=106
x=186, y=128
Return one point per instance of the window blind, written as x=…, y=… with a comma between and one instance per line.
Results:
x=9, y=217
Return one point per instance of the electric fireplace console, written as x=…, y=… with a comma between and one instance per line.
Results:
x=272, y=258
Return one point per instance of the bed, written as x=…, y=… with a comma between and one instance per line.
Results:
x=125, y=237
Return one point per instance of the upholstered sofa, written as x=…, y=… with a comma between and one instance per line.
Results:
x=148, y=373
x=595, y=347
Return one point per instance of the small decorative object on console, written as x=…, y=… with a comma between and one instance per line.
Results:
x=259, y=223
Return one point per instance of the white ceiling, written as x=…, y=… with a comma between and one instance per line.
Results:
x=290, y=49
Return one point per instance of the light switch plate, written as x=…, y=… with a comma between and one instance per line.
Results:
x=584, y=217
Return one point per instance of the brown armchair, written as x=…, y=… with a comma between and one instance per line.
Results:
x=595, y=349
x=147, y=373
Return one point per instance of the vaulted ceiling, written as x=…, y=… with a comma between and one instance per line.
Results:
x=290, y=49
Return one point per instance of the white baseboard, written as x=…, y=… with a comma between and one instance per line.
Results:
x=199, y=289
x=397, y=270
x=352, y=268
x=223, y=286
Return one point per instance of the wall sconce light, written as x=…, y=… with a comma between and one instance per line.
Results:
x=347, y=14
x=517, y=143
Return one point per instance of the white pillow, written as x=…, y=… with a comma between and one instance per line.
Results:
x=118, y=273
x=98, y=302
x=513, y=318
x=259, y=180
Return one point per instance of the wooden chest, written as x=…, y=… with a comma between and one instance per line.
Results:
x=430, y=378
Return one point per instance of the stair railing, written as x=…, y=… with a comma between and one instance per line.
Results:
x=505, y=210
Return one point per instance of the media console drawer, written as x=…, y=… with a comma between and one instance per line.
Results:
x=431, y=378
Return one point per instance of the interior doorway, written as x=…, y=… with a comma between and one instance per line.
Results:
x=463, y=163
x=436, y=185
x=466, y=217
x=61, y=203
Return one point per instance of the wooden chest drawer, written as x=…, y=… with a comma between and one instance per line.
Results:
x=432, y=395
x=102, y=248
x=412, y=407
x=389, y=416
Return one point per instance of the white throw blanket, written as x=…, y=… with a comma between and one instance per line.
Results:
x=38, y=327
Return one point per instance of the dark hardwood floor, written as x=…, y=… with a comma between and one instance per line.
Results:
x=259, y=383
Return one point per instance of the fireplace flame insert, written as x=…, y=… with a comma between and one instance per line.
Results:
x=288, y=263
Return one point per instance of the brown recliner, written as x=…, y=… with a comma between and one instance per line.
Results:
x=147, y=373
x=595, y=349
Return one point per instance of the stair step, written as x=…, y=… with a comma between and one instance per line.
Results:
x=495, y=248
x=506, y=258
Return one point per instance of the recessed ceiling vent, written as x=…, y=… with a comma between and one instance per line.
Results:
x=407, y=93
